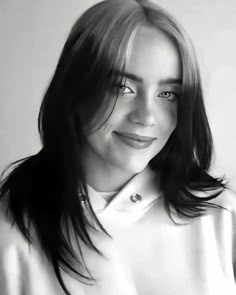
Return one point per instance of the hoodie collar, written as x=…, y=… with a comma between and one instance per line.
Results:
x=132, y=201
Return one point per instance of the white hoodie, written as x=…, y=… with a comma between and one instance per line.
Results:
x=149, y=254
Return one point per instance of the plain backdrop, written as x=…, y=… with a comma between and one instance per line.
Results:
x=32, y=36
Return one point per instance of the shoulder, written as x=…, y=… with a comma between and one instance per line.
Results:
x=13, y=255
x=24, y=269
x=13, y=244
x=226, y=198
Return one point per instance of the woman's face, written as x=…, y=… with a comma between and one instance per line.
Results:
x=145, y=113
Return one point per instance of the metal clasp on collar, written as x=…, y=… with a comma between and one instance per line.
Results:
x=135, y=198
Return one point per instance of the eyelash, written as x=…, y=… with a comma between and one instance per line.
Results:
x=161, y=94
x=123, y=85
x=170, y=92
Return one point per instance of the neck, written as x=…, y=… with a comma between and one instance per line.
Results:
x=104, y=177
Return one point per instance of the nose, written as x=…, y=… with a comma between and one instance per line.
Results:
x=143, y=112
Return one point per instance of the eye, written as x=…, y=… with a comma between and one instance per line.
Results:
x=124, y=89
x=169, y=95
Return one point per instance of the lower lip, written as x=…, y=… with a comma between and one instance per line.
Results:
x=136, y=144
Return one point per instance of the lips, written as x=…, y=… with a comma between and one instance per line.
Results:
x=136, y=136
x=135, y=141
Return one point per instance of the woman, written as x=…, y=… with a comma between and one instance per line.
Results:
x=119, y=199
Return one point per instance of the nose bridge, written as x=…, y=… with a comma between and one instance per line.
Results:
x=144, y=111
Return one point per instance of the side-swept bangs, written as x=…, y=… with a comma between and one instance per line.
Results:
x=90, y=66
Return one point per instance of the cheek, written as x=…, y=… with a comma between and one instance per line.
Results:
x=117, y=119
x=173, y=117
x=167, y=118
x=112, y=120
x=102, y=137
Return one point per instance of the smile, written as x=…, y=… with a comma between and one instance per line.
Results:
x=135, y=141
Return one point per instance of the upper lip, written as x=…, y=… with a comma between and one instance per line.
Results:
x=136, y=136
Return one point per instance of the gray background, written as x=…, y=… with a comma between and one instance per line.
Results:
x=33, y=33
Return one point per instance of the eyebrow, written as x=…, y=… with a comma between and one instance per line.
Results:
x=161, y=82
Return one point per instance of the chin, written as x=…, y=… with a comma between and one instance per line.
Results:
x=135, y=168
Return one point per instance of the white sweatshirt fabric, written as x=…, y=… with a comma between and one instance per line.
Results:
x=148, y=254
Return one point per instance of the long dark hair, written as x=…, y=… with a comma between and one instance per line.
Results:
x=48, y=189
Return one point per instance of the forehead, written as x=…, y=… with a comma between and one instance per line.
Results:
x=153, y=55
